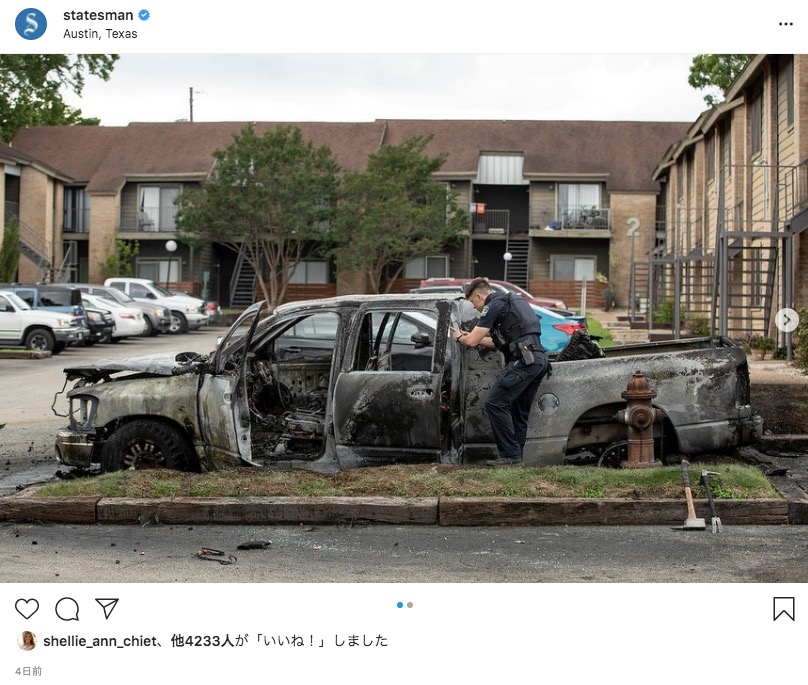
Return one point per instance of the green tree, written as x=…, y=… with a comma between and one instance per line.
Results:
x=10, y=251
x=715, y=72
x=394, y=212
x=271, y=195
x=119, y=258
x=32, y=89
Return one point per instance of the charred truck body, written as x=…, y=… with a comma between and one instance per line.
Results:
x=368, y=380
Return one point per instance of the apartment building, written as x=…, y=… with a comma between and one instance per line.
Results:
x=564, y=200
x=730, y=245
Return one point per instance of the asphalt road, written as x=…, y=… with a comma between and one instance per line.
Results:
x=420, y=554
x=27, y=390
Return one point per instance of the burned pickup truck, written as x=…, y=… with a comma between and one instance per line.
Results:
x=368, y=380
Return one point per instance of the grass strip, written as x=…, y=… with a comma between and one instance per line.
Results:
x=736, y=481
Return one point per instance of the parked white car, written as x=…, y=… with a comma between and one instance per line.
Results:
x=129, y=321
x=187, y=313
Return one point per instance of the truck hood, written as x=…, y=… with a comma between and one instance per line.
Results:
x=156, y=364
x=182, y=299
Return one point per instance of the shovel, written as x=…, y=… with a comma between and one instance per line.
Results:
x=691, y=522
x=705, y=478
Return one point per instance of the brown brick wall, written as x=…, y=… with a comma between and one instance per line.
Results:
x=624, y=207
x=104, y=217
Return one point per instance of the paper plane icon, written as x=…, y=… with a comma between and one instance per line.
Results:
x=108, y=605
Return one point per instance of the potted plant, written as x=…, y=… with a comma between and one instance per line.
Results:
x=608, y=292
x=758, y=345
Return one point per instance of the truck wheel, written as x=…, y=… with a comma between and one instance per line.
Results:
x=39, y=339
x=179, y=324
x=149, y=329
x=146, y=444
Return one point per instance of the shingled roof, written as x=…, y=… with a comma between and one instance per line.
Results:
x=625, y=153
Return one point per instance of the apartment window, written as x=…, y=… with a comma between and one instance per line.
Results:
x=691, y=177
x=433, y=266
x=161, y=271
x=710, y=149
x=756, y=122
x=568, y=268
x=725, y=153
x=309, y=272
x=788, y=78
x=77, y=210
x=156, y=208
x=574, y=196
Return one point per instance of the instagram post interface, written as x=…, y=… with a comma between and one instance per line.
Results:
x=339, y=339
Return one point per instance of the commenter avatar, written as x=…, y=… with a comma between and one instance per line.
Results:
x=26, y=640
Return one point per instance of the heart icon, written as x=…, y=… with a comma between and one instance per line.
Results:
x=26, y=607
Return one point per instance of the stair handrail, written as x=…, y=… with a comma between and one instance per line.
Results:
x=33, y=242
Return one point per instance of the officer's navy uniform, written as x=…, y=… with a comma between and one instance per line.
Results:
x=516, y=332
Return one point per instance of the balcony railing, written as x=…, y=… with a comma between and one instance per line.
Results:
x=157, y=219
x=572, y=217
x=495, y=221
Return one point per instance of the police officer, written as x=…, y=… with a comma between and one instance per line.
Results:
x=508, y=324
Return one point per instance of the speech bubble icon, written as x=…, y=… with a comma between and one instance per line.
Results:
x=67, y=609
x=26, y=607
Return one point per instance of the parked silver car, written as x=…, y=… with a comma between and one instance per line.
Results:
x=158, y=318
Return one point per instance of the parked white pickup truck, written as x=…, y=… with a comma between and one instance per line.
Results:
x=187, y=313
x=36, y=329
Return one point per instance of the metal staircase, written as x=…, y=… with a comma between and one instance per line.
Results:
x=242, y=283
x=34, y=248
x=516, y=270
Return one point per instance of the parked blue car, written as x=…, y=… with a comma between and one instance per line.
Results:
x=555, y=329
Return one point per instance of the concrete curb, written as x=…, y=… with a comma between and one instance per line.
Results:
x=24, y=354
x=444, y=511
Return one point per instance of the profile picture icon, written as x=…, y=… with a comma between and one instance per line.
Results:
x=31, y=23
x=26, y=641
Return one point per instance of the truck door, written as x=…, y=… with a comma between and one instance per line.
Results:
x=224, y=415
x=9, y=321
x=387, y=398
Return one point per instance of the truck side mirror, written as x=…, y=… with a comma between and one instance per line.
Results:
x=421, y=340
x=9, y=308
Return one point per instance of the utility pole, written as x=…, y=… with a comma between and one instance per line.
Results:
x=191, y=92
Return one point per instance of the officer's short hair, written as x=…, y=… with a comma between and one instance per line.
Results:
x=479, y=283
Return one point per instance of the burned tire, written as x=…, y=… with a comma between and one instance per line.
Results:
x=40, y=340
x=179, y=324
x=147, y=445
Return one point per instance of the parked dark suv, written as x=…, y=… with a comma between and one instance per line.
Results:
x=100, y=321
x=55, y=298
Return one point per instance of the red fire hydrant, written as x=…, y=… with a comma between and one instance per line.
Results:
x=640, y=417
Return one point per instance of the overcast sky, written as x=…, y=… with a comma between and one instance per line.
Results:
x=361, y=87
